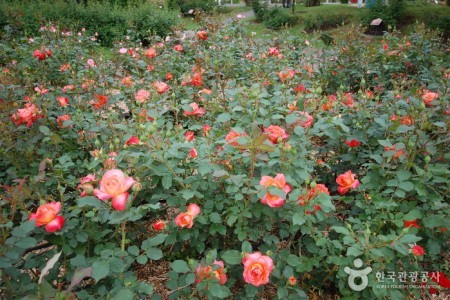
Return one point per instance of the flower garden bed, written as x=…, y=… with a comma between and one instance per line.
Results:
x=249, y=167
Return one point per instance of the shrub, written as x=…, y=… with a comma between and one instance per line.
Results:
x=110, y=22
x=277, y=18
x=260, y=8
x=320, y=22
x=389, y=11
x=202, y=5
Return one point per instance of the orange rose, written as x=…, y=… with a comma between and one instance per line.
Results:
x=346, y=182
x=47, y=214
x=257, y=268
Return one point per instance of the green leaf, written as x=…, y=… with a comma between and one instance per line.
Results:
x=187, y=194
x=166, y=181
x=215, y=217
x=404, y=128
x=26, y=242
x=406, y=186
x=90, y=201
x=354, y=251
x=44, y=129
x=190, y=278
x=293, y=260
x=123, y=294
x=153, y=241
x=24, y=229
x=219, y=291
x=100, y=269
x=224, y=117
x=133, y=250
x=231, y=220
x=232, y=257
x=282, y=292
x=409, y=238
x=154, y=253
x=298, y=218
x=142, y=259
x=340, y=229
x=180, y=266
x=246, y=247
x=403, y=175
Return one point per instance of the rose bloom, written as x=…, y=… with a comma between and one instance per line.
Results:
x=412, y=223
x=233, y=136
x=346, y=182
x=285, y=75
x=141, y=96
x=63, y=101
x=347, y=100
x=133, y=140
x=417, y=250
x=27, y=115
x=273, y=51
x=202, y=35
x=169, y=76
x=150, y=53
x=257, y=268
x=61, y=119
x=353, y=143
x=280, y=182
x=90, y=62
x=208, y=272
x=196, y=110
x=178, y=48
x=305, y=120
x=196, y=80
x=42, y=55
x=161, y=87
x=114, y=185
x=47, y=214
x=86, y=185
x=189, y=136
x=186, y=219
x=193, y=153
x=407, y=120
x=68, y=87
x=312, y=193
x=275, y=133
x=397, y=154
x=127, y=81
x=159, y=225
x=429, y=97
x=101, y=100
x=292, y=281
x=64, y=67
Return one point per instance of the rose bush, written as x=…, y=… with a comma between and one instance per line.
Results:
x=238, y=179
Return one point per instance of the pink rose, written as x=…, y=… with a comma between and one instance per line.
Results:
x=257, y=268
x=47, y=214
x=27, y=115
x=142, y=95
x=275, y=133
x=279, y=182
x=186, y=219
x=196, y=110
x=114, y=185
x=161, y=87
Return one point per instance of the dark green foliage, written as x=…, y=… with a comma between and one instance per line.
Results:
x=273, y=18
x=390, y=12
x=186, y=6
x=110, y=21
x=278, y=18
x=320, y=22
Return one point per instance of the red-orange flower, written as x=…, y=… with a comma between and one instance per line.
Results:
x=27, y=115
x=101, y=101
x=61, y=119
x=202, y=35
x=353, y=143
x=196, y=110
x=417, y=250
x=161, y=87
x=346, y=182
x=412, y=223
x=429, y=97
x=150, y=53
x=233, y=136
x=257, y=268
x=159, y=225
x=63, y=101
x=312, y=193
x=208, y=272
x=193, y=153
x=279, y=182
x=275, y=134
x=186, y=219
x=133, y=140
x=42, y=54
x=47, y=214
